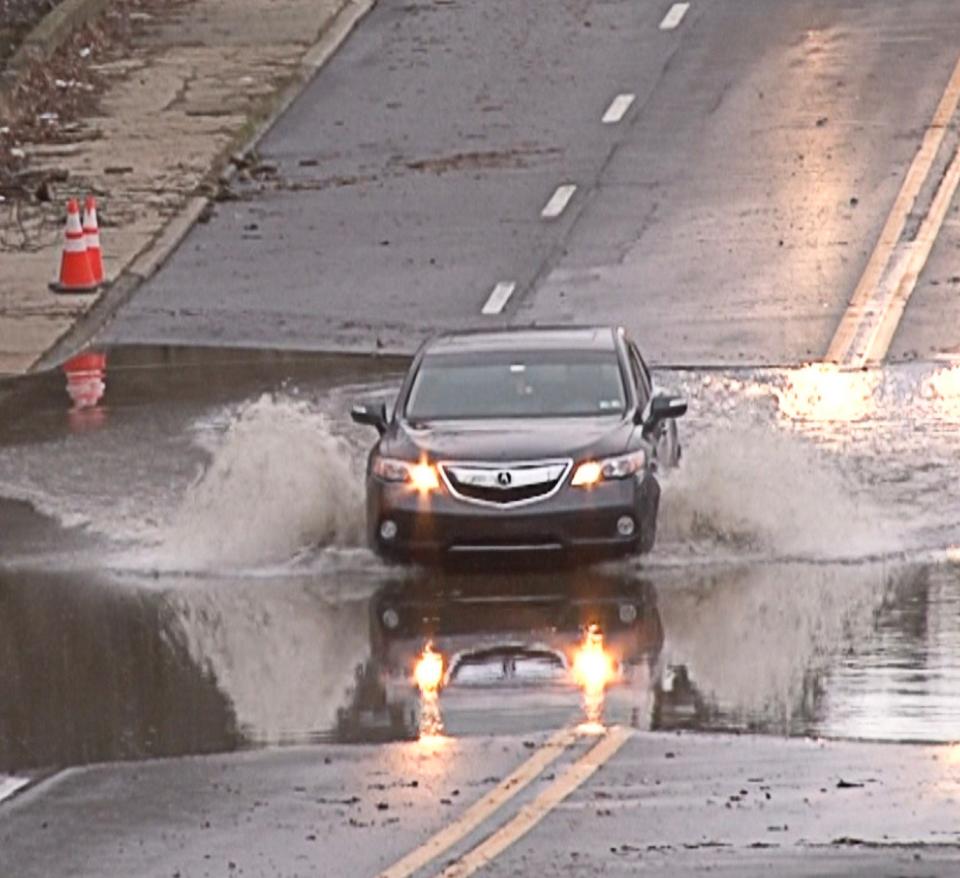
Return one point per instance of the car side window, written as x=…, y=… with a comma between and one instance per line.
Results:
x=641, y=375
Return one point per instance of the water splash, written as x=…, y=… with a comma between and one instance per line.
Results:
x=748, y=487
x=279, y=481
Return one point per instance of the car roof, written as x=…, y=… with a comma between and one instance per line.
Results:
x=577, y=338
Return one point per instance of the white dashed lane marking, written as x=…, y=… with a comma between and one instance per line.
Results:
x=618, y=108
x=499, y=297
x=558, y=201
x=674, y=16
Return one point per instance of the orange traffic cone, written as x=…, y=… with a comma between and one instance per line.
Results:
x=91, y=236
x=76, y=275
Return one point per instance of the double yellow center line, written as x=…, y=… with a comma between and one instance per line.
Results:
x=528, y=816
x=867, y=328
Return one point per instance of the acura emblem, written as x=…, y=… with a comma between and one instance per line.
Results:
x=504, y=479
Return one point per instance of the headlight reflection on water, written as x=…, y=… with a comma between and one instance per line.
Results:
x=593, y=669
x=944, y=387
x=428, y=676
x=823, y=392
x=428, y=673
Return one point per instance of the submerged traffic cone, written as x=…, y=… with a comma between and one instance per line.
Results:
x=91, y=237
x=76, y=276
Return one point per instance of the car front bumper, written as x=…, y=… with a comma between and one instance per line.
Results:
x=578, y=524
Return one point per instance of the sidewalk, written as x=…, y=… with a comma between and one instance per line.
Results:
x=200, y=78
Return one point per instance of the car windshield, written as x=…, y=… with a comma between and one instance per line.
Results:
x=517, y=384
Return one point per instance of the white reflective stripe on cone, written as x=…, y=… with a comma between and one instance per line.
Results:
x=75, y=245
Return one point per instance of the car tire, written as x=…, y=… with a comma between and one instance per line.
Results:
x=649, y=509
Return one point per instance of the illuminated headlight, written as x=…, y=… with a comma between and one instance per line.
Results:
x=590, y=472
x=421, y=476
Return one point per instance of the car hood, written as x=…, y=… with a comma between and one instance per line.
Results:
x=511, y=440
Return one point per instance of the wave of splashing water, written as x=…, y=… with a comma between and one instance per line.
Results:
x=804, y=462
x=752, y=488
x=818, y=461
x=279, y=481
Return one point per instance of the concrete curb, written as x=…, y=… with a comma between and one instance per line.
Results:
x=332, y=35
x=119, y=292
x=47, y=36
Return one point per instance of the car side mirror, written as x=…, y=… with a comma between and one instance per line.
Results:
x=372, y=415
x=662, y=407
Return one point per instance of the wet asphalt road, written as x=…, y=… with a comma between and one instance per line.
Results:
x=725, y=219
x=181, y=571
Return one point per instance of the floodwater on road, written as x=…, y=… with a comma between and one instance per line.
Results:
x=182, y=568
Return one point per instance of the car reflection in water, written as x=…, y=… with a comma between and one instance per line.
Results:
x=514, y=656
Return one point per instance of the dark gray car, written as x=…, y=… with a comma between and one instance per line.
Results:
x=520, y=442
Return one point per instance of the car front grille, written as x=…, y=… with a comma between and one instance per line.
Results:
x=505, y=484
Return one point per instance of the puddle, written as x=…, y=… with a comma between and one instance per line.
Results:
x=110, y=667
x=90, y=671
x=181, y=568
